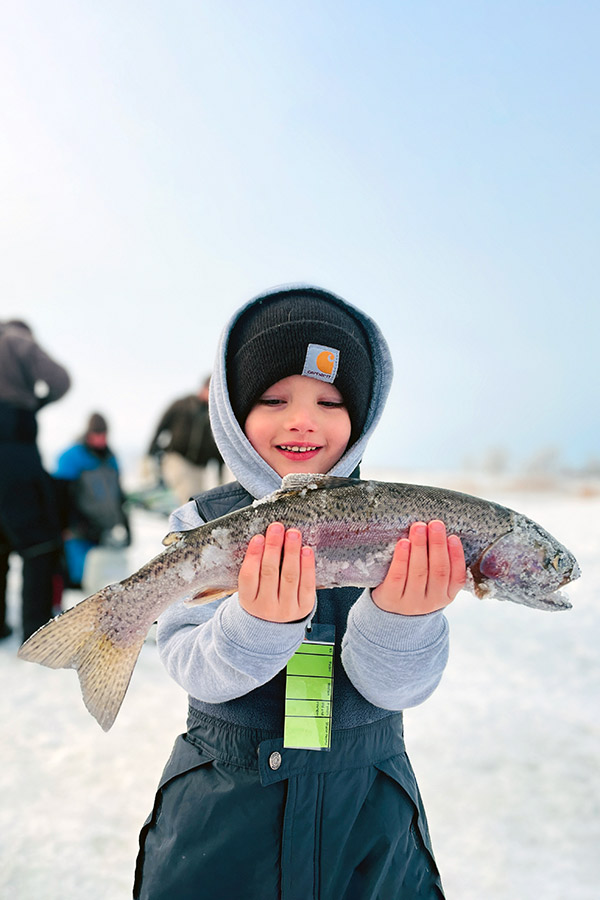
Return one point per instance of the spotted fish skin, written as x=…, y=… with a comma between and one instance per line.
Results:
x=352, y=526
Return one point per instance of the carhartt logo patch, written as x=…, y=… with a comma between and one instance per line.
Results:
x=321, y=362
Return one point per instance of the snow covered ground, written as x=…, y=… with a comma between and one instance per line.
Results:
x=506, y=751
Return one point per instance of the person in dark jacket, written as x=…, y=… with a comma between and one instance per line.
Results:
x=94, y=499
x=247, y=805
x=29, y=519
x=184, y=445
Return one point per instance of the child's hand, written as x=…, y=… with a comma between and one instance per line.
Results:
x=274, y=589
x=426, y=573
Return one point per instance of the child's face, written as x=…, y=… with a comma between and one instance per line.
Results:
x=299, y=425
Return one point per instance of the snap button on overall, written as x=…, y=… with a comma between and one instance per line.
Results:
x=275, y=760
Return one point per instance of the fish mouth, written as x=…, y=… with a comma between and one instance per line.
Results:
x=573, y=575
x=558, y=599
x=554, y=602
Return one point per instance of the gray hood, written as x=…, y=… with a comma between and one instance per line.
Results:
x=250, y=469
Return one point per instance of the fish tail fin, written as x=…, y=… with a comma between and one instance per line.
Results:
x=76, y=640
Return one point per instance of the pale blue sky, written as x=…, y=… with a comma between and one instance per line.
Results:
x=435, y=163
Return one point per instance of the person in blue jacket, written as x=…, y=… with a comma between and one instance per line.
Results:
x=94, y=499
x=300, y=382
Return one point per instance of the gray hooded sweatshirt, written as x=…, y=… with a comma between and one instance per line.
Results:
x=218, y=652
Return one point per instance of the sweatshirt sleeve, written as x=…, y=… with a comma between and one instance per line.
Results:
x=394, y=661
x=219, y=651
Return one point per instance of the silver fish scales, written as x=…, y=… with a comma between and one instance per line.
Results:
x=353, y=527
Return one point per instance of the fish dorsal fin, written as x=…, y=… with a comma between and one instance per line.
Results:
x=297, y=481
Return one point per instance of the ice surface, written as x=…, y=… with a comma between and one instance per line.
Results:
x=506, y=751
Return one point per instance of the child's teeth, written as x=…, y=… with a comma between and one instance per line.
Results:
x=296, y=449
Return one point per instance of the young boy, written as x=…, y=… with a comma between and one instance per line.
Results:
x=300, y=382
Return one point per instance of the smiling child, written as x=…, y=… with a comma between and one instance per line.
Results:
x=242, y=810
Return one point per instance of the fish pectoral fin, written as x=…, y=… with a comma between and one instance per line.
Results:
x=208, y=595
x=171, y=538
x=476, y=583
x=480, y=590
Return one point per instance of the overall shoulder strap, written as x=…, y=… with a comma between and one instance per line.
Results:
x=221, y=500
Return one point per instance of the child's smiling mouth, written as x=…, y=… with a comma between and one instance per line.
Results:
x=295, y=450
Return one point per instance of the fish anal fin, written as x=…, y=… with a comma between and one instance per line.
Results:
x=208, y=595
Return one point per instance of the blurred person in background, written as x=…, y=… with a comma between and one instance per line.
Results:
x=93, y=501
x=184, y=446
x=29, y=518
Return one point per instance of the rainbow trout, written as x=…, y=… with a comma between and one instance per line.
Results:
x=353, y=527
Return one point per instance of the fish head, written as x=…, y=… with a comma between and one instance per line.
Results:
x=527, y=565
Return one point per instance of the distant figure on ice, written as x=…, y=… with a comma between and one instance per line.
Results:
x=29, y=520
x=184, y=445
x=94, y=500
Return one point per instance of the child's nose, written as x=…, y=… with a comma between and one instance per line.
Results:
x=300, y=419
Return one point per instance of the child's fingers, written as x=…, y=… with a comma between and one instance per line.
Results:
x=398, y=570
x=416, y=579
x=439, y=560
x=297, y=581
x=308, y=587
x=387, y=594
x=271, y=558
x=249, y=575
x=289, y=578
x=458, y=572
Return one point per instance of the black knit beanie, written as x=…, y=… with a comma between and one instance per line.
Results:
x=299, y=331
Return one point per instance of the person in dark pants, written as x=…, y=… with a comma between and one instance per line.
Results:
x=29, y=518
x=288, y=785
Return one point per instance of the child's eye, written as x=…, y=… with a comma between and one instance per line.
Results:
x=332, y=404
x=270, y=401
